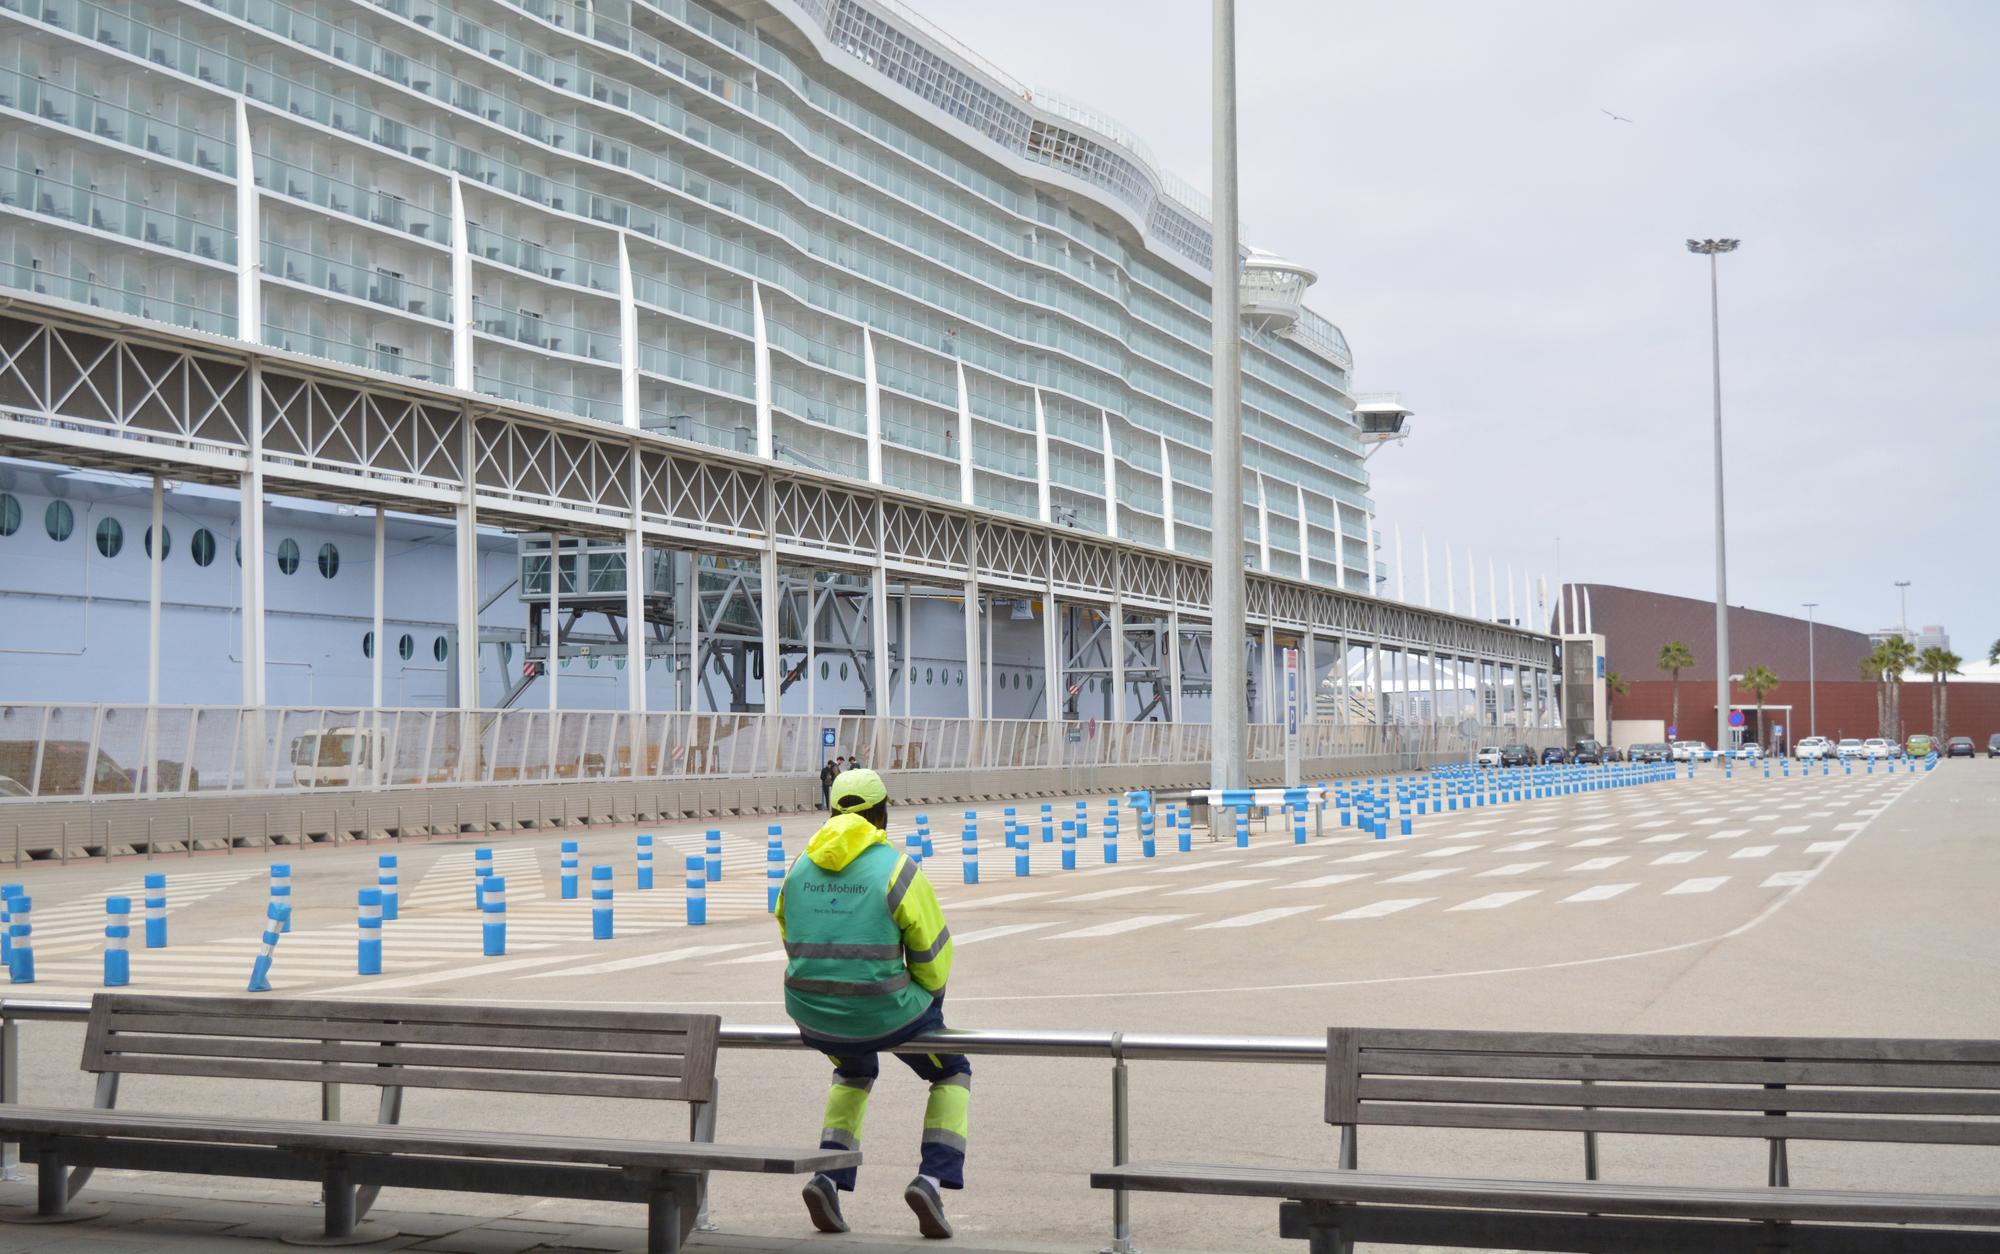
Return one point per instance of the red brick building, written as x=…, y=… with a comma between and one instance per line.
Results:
x=1635, y=624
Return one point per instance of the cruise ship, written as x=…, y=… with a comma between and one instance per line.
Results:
x=823, y=233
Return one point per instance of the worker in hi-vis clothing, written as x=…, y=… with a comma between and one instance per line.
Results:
x=868, y=953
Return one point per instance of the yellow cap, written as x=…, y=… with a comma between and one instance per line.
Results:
x=857, y=790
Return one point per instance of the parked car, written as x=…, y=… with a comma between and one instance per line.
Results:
x=1812, y=748
x=1961, y=747
x=1850, y=748
x=1517, y=755
x=1588, y=752
x=1552, y=755
x=1920, y=746
x=1749, y=751
x=1877, y=747
x=1652, y=752
x=1693, y=751
x=1683, y=750
x=1993, y=745
x=1488, y=755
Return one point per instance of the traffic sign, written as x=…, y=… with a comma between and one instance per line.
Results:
x=1736, y=718
x=1778, y=729
x=1673, y=732
x=826, y=737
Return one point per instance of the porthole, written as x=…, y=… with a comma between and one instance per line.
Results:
x=288, y=556
x=406, y=648
x=594, y=660
x=843, y=670
x=239, y=550
x=202, y=547
x=621, y=662
x=110, y=537
x=440, y=648
x=368, y=644
x=166, y=543
x=10, y=514
x=928, y=678
x=329, y=560
x=961, y=679
x=825, y=670
x=60, y=520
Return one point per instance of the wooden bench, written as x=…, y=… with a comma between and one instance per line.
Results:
x=1775, y=1089
x=397, y=1046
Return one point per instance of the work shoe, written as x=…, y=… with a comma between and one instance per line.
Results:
x=823, y=1204
x=923, y=1198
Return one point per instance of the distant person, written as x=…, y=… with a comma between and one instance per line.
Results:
x=868, y=955
x=826, y=777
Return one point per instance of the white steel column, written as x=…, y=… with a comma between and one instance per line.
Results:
x=1110, y=476
x=871, y=396
x=380, y=741
x=760, y=352
x=1054, y=681
x=1263, y=527
x=635, y=636
x=1402, y=585
x=1166, y=494
x=628, y=348
x=251, y=537
x=812, y=644
x=1339, y=547
x=909, y=657
x=1424, y=547
x=694, y=613
x=1269, y=650
x=1512, y=617
x=977, y=702
x=466, y=659
x=1041, y=460
x=552, y=665
x=1117, y=620
x=966, y=490
x=769, y=614
x=249, y=236
x=462, y=313
x=878, y=639
x=155, y=562
x=1305, y=536
x=1173, y=661
x=1229, y=743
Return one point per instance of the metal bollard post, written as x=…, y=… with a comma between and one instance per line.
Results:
x=712, y=871
x=7, y=894
x=1147, y=847
x=1184, y=826
x=281, y=893
x=924, y=834
x=1069, y=844
x=1242, y=826
x=277, y=916
x=568, y=879
x=600, y=902
x=482, y=870
x=1021, y=858
x=21, y=927
x=1121, y=1146
x=1007, y=825
x=368, y=946
x=969, y=847
x=385, y=882
x=774, y=874
x=493, y=927
x=645, y=872
x=156, y=911
x=1048, y=823
x=1111, y=838
x=117, y=942
x=697, y=890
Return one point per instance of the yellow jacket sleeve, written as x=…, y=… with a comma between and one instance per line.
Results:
x=926, y=939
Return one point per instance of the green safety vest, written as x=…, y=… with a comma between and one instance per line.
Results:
x=845, y=979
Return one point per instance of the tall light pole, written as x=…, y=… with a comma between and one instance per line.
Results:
x=1812, y=674
x=1713, y=248
x=1903, y=616
x=1229, y=743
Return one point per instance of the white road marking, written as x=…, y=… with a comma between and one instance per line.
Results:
x=1653, y=822
x=1594, y=827
x=1675, y=859
x=1327, y=881
x=1729, y=833
x=1663, y=838
x=1848, y=827
x=1411, y=877
x=1253, y=919
x=1493, y=901
x=983, y=902
x=1598, y=864
x=1217, y=887
x=1521, y=846
x=1788, y=879
x=1378, y=909
x=1753, y=851
x=1105, y=894
x=1600, y=892
x=1119, y=926
x=1370, y=856
x=1291, y=861
x=1706, y=885
x=995, y=933
x=1824, y=846
x=648, y=960
x=1793, y=830
x=1594, y=842
x=1512, y=868
x=1192, y=866
x=1450, y=851
x=371, y=985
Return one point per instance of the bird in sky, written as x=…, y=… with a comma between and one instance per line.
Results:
x=1615, y=117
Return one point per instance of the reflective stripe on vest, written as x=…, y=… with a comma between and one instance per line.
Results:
x=806, y=949
x=847, y=988
x=937, y=947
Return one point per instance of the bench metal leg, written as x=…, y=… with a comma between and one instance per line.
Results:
x=341, y=1224
x=663, y=1220
x=1327, y=1240
x=52, y=1194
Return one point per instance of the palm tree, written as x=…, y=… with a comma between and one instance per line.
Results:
x=1675, y=657
x=1938, y=663
x=1760, y=680
x=1993, y=654
x=1615, y=686
x=1886, y=664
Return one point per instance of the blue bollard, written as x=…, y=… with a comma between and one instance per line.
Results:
x=924, y=833
x=21, y=931
x=600, y=902
x=493, y=924
x=1242, y=826
x=969, y=846
x=774, y=874
x=569, y=887
x=1111, y=838
x=368, y=948
x=482, y=869
x=1184, y=830
x=117, y=942
x=1146, y=846
x=1298, y=825
x=913, y=846
x=1069, y=844
x=7, y=894
x=1021, y=856
x=281, y=892
x=156, y=911
x=385, y=879
x=697, y=890
x=277, y=918
x=645, y=871
x=711, y=872
x=1048, y=823
x=1007, y=826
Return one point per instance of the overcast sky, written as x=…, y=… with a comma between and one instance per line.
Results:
x=1511, y=260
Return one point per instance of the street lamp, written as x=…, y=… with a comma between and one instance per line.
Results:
x=1229, y=742
x=1812, y=674
x=1903, y=618
x=1713, y=248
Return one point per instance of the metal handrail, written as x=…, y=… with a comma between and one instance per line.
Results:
x=1119, y=1047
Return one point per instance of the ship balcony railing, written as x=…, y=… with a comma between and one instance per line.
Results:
x=541, y=331
x=218, y=316
x=52, y=197
x=87, y=113
x=539, y=259
x=393, y=359
x=384, y=209
x=696, y=370
x=941, y=444
x=395, y=291
x=699, y=306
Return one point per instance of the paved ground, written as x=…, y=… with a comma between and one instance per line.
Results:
x=1838, y=904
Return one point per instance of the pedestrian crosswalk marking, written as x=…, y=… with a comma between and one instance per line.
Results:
x=1793, y=830
x=995, y=933
x=1177, y=868
x=1663, y=838
x=1378, y=909
x=1371, y=855
x=640, y=960
x=769, y=955
x=1753, y=851
x=1705, y=885
x=1450, y=851
x=1598, y=864
x=1412, y=877
x=1254, y=918
x=1675, y=859
x=1119, y=926
x=1788, y=879
x=1824, y=846
x=1328, y=881
x=1594, y=842
x=1521, y=846
x=1729, y=833
x=1493, y=901
x=1003, y=899
x=1217, y=887
x=1512, y=868
x=1106, y=894
x=1600, y=892
x=1291, y=861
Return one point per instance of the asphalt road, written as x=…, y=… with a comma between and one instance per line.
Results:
x=1842, y=904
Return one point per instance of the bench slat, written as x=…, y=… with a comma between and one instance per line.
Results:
x=1535, y=1093
x=389, y=1029
x=1681, y=1070
x=365, y=1138
x=1676, y=1123
x=420, y=1055
x=357, y=1011
x=1837, y=1048
x=1547, y=1195
x=410, y=1077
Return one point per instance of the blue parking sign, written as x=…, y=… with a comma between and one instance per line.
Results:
x=826, y=737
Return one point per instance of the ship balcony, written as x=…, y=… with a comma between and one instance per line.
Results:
x=1273, y=290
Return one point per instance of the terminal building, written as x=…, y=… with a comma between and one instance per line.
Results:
x=846, y=377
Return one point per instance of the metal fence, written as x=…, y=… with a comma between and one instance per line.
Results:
x=1117, y=1048
x=92, y=751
